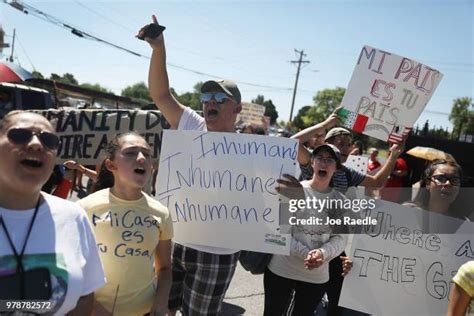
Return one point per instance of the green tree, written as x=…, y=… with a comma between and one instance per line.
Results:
x=439, y=132
x=302, y=120
x=191, y=99
x=96, y=87
x=137, y=91
x=325, y=101
x=462, y=116
x=37, y=74
x=270, y=109
x=470, y=123
x=66, y=78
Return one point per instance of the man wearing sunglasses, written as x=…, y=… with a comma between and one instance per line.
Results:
x=196, y=291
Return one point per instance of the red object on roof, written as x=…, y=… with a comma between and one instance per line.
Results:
x=10, y=72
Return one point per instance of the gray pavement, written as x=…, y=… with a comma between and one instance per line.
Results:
x=245, y=294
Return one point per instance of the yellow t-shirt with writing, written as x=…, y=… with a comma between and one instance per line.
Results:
x=127, y=233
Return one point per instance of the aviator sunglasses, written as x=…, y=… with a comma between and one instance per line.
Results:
x=22, y=136
x=219, y=97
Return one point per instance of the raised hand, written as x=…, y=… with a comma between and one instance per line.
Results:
x=397, y=149
x=152, y=33
x=71, y=164
x=332, y=119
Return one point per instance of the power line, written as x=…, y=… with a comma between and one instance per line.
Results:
x=103, y=16
x=324, y=52
x=112, y=8
x=28, y=9
x=219, y=77
x=78, y=32
x=182, y=49
x=25, y=52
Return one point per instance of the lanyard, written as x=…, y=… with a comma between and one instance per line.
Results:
x=19, y=257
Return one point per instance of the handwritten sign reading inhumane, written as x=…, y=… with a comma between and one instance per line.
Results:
x=251, y=114
x=220, y=188
x=84, y=134
x=411, y=257
x=386, y=94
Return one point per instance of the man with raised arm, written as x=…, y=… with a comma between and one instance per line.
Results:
x=201, y=274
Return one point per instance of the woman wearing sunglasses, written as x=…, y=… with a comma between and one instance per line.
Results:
x=439, y=188
x=47, y=249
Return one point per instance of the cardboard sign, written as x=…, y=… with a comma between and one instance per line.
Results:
x=404, y=266
x=84, y=134
x=220, y=188
x=386, y=94
x=251, y=114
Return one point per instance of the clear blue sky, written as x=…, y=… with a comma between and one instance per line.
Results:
x=252, y=42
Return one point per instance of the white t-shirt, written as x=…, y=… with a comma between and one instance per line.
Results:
x=61, y=240
x=308, y=237
x=191, y=121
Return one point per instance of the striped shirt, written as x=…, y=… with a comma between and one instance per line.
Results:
x=341, y=180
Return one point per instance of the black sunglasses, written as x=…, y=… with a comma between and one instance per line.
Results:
x=21, y=136
x=443, y=179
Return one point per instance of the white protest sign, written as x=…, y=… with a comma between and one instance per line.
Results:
x=84, y=134
x=386, y=94
x=358, y=163
x=404, y=265
x=251, y=114
x=220, y=188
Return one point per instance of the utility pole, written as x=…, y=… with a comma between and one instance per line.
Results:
x=299, y=62
x=2, y=41
x=13, y=46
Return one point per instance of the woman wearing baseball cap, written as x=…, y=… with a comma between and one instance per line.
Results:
x=306, y=270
